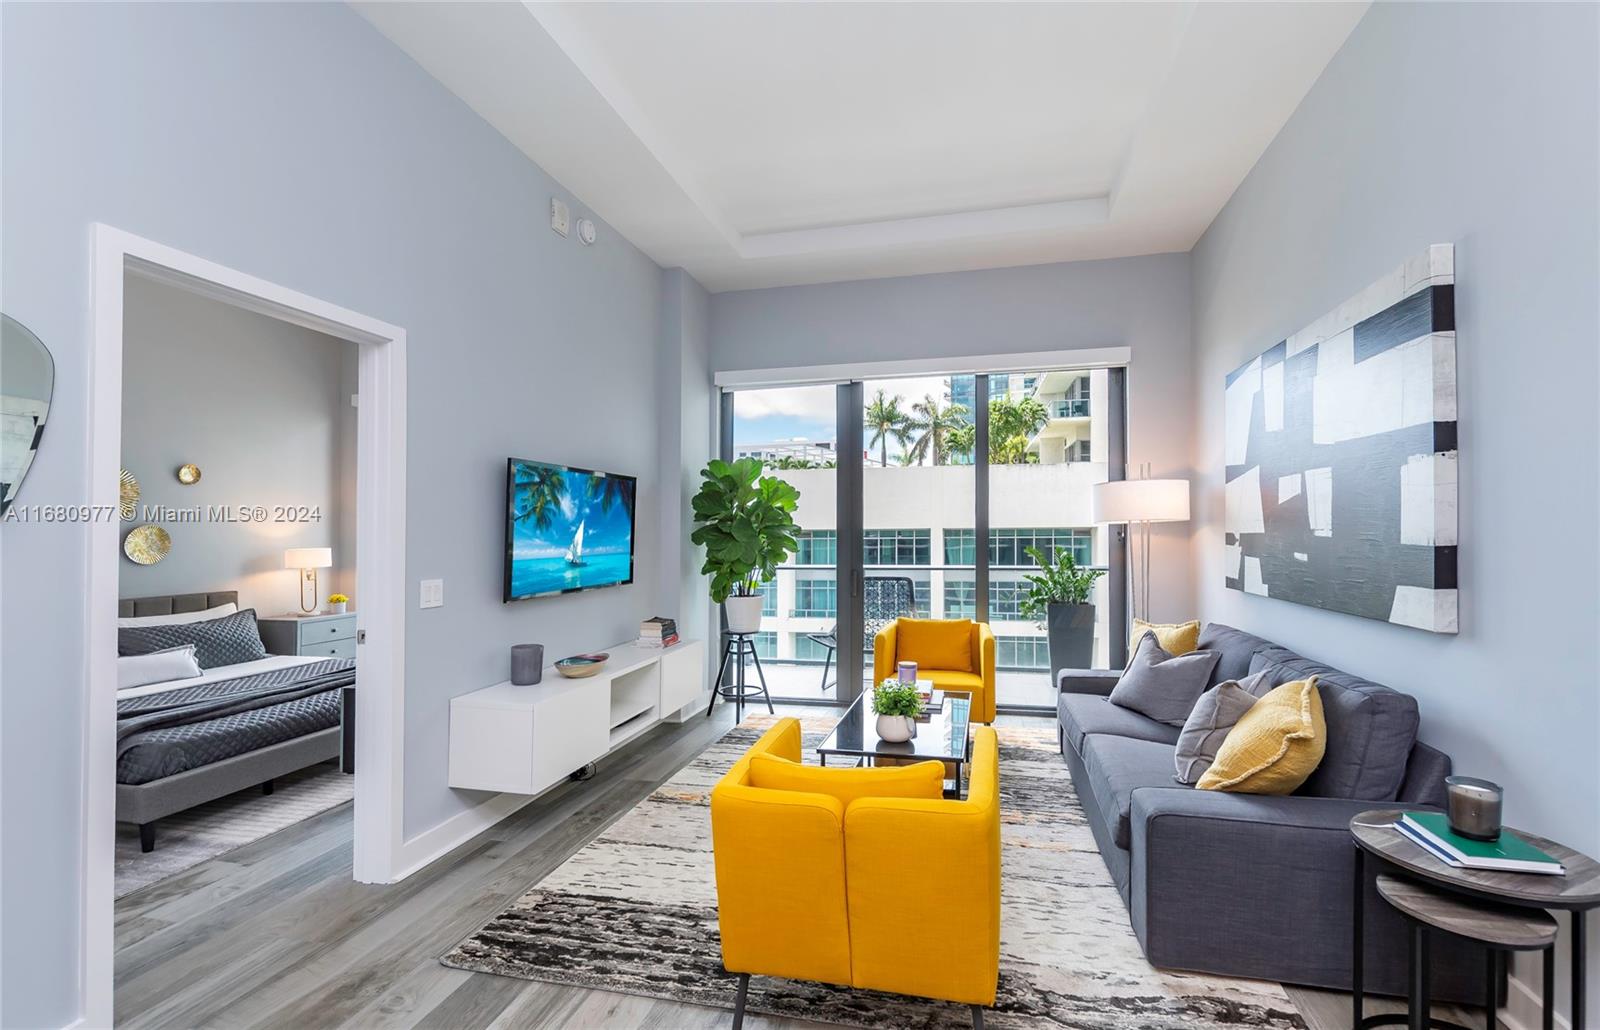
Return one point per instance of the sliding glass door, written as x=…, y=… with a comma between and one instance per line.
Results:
x=927, y=496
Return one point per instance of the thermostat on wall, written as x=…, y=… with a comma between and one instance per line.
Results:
x=559, y=218
x=586, y=231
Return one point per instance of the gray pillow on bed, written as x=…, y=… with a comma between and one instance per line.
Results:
x=226, y=641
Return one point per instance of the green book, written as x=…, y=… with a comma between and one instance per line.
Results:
x=1510, y=853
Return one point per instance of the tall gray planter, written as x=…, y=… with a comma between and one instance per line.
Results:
x=1071, y=630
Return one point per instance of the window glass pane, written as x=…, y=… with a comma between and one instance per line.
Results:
x=917, y=499
x=791, y=431
x=1046, y=451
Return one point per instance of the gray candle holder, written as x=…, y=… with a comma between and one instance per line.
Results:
x=1473, y=806
x=527, y=664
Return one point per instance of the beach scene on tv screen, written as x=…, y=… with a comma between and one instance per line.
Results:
x=570, y=530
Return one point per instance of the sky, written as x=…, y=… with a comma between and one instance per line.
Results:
x=766, y=416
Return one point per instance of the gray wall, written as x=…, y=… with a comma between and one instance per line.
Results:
x=1141, y=303
x=1474, y=125
x=260, y=406
x=294, y=143
x=687, y=442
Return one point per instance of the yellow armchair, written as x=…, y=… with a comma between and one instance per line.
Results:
x=956, y=654
x=860, y=894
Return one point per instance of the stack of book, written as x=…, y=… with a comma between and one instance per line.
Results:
x=1509, y=854
x=659, y=631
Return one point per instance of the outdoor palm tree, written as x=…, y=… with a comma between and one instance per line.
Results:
x=886, y=420
x=539, y=490
x=934, y=422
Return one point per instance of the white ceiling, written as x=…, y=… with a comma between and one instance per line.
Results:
x=770, y=144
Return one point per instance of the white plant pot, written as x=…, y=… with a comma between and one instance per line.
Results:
x=336, y=607
x=896, y=729
x=744, y=613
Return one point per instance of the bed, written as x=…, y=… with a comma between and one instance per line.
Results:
x=184, y=742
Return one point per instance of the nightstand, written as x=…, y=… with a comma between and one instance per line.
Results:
x=321, y=636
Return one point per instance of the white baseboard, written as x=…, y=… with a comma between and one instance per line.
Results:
x=432, y=844
x=1525, y=1008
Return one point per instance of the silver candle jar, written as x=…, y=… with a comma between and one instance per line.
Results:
x=1473, y=806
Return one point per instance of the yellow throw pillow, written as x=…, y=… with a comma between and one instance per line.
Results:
x=935, y=643
x=1175, y=638
x=922, y=780
x=1275, y=746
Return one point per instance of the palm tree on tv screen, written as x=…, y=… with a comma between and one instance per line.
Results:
x=609, y=490
x=538, y=491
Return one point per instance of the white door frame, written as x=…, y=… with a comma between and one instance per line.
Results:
x=380, y=570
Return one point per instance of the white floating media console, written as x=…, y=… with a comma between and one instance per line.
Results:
x=525, y=740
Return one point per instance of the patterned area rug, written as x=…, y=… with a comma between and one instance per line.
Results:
x=635, y=912
x=206, y=831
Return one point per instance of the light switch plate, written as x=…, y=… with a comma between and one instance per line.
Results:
x=432, y=593
x=560, y=219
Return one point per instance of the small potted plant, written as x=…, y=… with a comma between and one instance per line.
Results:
x=1060, y=592
x=897, y=706
x=337, y=603
x=745, y=521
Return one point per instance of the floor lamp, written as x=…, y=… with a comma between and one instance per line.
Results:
x=1140, y=502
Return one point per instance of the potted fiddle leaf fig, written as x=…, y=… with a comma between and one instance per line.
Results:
x=745, y=521
x=1060, y=592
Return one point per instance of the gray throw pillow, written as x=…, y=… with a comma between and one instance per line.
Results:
x=1214, y=715
x=1160, y=686
x=226, y=641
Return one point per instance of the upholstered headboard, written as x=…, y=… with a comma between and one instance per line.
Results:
x=172, y=604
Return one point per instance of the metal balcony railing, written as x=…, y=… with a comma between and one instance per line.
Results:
x=1072, y=408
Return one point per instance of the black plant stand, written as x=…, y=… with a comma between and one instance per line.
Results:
x=736, y=647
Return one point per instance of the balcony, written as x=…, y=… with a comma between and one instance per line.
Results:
x=1077, y=407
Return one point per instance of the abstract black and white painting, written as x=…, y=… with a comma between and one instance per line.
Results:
x=1341, y=456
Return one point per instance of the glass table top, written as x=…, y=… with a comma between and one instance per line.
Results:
x=946, y=735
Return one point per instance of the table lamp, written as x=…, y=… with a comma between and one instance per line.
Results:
x=1141, y=502
x=308, y=560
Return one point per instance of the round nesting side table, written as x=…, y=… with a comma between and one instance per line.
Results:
x=1499, y=928
x=1578, y=891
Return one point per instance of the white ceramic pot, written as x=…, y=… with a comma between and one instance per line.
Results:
x=336, y=607
x=744, y=613
x=896, y=729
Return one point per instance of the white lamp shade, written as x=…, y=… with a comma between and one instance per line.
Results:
x=1141, y=500
x=308, y=558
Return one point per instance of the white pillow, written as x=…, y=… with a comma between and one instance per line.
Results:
x=179, y=618
x=138, y=670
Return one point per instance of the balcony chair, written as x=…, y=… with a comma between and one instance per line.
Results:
x=884, y=599
x=844, y=876
x=956, y=654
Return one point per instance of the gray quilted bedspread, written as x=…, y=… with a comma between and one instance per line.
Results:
x=162, y=734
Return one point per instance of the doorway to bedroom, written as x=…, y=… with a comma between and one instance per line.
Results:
x=236, y=630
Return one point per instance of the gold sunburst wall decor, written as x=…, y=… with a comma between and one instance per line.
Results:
x=188, y=475
x=127, y=495
x=147, y=544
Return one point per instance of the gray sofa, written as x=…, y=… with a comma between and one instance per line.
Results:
x=1254, y=886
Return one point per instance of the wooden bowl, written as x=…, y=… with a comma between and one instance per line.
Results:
x=581, y=666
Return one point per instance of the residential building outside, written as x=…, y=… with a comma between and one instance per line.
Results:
x=919, y=525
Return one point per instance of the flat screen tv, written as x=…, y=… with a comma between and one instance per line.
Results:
x=567, y=529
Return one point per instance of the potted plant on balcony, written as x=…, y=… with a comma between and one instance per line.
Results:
x=897, y=706
x=1060, y=592
x=745, y=521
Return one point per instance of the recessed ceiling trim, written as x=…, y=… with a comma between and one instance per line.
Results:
x=592, y=65
x=903, y=232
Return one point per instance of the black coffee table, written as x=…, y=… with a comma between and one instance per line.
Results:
x=1578, y=891
x=946, y=736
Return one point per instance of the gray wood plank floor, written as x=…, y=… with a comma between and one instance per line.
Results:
x=276, y=934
